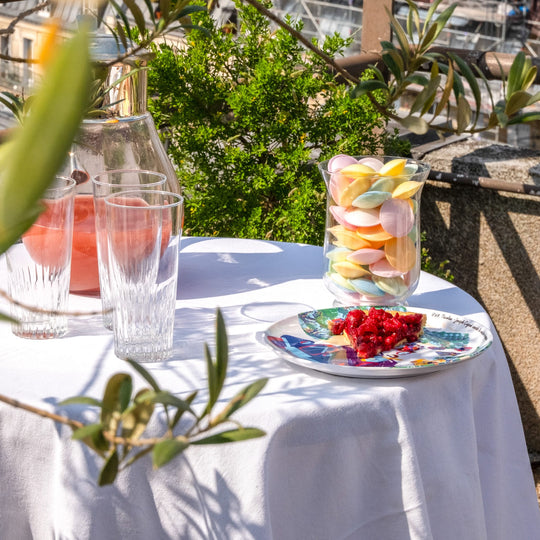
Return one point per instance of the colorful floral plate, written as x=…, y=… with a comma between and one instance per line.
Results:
x=447, y=340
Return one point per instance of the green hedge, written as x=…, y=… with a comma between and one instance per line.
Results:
x=245, y=115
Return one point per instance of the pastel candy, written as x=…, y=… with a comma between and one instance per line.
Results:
x=401, y=253
x=341, y=281
x=406, y=189
x=365, y=256
x=368, y=217
x=338, y=183
x=371, y=199
x=396, y=217
x=394, y=286
x=383, y=268
x=353, y=190
x=340, y=215
x=339, y=162
x=374, y=163
x=376, y=235
x=348, y=239
x=367, y=287
x=383, y=184
x=339, y=254
x=410, y=169
x=393, y=167
x=357, y=170
x=350, y=270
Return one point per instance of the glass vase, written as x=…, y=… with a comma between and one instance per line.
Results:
x=372, y=238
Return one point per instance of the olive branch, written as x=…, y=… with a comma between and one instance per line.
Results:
x=124, y=415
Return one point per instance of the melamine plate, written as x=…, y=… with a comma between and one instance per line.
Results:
x=447, y=340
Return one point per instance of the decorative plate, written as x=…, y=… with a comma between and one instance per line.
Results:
x=447, y=340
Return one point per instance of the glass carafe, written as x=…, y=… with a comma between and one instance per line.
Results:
x=125, y=139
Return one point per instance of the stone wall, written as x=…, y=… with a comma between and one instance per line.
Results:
x=492, y=242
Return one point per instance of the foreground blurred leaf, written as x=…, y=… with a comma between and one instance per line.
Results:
x=34, y=154
x=92, y=435
x=165, y=398
x=166, y=450
x=146, y=376
x=6, y=318
x=234, y=435
x=136, y=418
x=240, y=399
x=222, y=351
x=81, y=400
x=115, y=399
x=110, y=470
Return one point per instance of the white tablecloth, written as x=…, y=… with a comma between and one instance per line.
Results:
x=439, y=456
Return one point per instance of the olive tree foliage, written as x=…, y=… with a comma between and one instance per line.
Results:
x=443, y=99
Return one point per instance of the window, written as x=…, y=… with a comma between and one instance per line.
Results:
x=4, y=49
x=28, y=46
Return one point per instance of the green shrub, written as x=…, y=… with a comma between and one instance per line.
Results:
x=245, y=116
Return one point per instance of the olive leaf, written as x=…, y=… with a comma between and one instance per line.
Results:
x=165, y=398
x=233, y=435
x=143, y=373
x=445, y=97
x=216, y=370
x=239, y=400
x=135, y=418
x=524, y=117
x=92, y=436
x=515, y=75
x=415, y=124
x=137, y=15
x=166, y=450
x=466, y=71
x=109, y=471
x=81, y=400
x=463, y=114
x=115, y=399
x=7, y=318
x=180, y=412
x=516, y=102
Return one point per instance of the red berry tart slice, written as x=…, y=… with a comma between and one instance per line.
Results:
x=372, y=332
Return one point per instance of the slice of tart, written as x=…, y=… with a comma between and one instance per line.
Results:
x=371, y=332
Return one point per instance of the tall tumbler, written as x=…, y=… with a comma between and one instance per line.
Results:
x=104, y=184
x=39, y=267
x=143, y=236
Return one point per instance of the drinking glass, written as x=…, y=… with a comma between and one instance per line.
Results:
x=143, y=235
x=104, y=184
x=39, y=267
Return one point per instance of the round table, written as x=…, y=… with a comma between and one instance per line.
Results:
x=437, y=456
